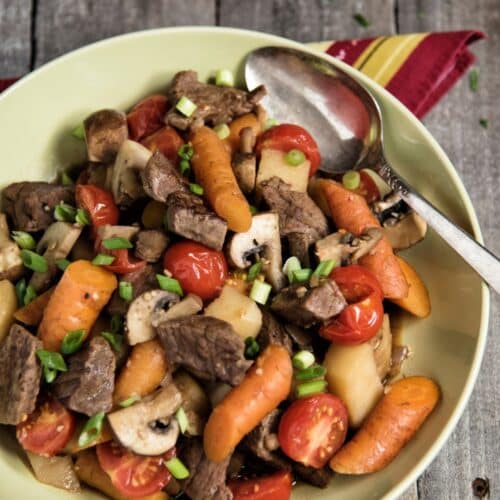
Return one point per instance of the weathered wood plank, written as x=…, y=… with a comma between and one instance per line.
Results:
x=64, y=25
x=473, y=448
x=308, y=21
x=15, y=37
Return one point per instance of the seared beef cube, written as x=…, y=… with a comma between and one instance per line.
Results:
x=20, y=373
x=305, y=306
x=30, y=205
x=207, y=479
x=298, y=245
x=150, y=245
x=161, y=178
x=87, y=387
x=207, y=347
x=317, y=477
x=187, y=216
x=214, y=104
x=273, y=333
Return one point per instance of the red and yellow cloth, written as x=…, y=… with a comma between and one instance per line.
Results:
x=417, y=68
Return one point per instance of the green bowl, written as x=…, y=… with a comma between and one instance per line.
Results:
x=39, y=112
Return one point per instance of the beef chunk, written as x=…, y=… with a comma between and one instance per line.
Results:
x=207, y=479
x=189, y=217
x=87, y=386
x=207, y=347
x=317, y=477
x=298, y=245
x=215, y=104
x=303, y=339
x=30, y=205
x=273, y=333
x=150, y=245
x=305, y=306
x=20, y=374
x=160, y=178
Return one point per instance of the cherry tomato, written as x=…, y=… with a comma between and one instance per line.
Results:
x=367, y=188
x=131, y=474
x=146, y=116
x=312, y=429
x=167, y=141
x=123, y=262
x=48, y=429
x=98, y=203
x=275, y=487
x=355, y=282
x=285, y=137
x=198, y=269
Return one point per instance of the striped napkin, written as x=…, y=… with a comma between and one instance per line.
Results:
x=417, y=68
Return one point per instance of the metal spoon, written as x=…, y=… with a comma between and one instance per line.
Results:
x=345, y=121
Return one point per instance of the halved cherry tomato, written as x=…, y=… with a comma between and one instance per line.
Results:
x=312, y=429
x=367, y=188
x=99, y=204
x=146, y=116
x=198, y=269
x=48, y=429
x=275, y=487
x=131, y=474
x=124, y=263
x=167, y=141
x=355, y=282
x=287, y=136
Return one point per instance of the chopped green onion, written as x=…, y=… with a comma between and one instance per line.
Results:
x=130, y=401
x=291, y=264
x=351, y=179
x=126, y=290
x=64, y=212
x=361, y=20
x=303, y=360
x=33, y=261
x=66, y=180
x=252, y=348
x=254, y=271
x=103, y=260
x=311, y=373
x=177, y=468
x=474, y=80
x=186, y=152
x=253, y=209
x=301, y=275
x=49, y=374
x=62, y=264
x=72, y=341
x=82, y=217
x=116, y=243
x=260, y=291
x=185, y=167
x=115, y=340
x=196, y=189
x=222, y=130
x=224, y=78
x=21, y=290
x=24, y=240
x=169, y=284
x=185, y=106
x=324, y=268
x=52, y=360
x=483, y=122
x=79, y=131
x=270, y=123
x=30, y=295
x=91, y=430
x=116, y=323
x=295, y=157
x=310, y=388
x=182, y=419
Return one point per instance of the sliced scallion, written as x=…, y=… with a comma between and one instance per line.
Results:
x=224, y=78
x=310, y=373
x=260, y=291
x=30, y=295
x=196, y=189
x=301, y=275
x=295, y=157
x=66, y=180
x=252, y=348
x=483, y=122
x=21, y=290
x=82, y=217
x=52, y=360
x=351, y=179
x=185, y=167
x=116, y=243
x=182, y=419
x=91, y=430
x=62, y=264
x=310, y=388
x=24, y=240
x=474, y=80
x=254, y=271
x=126, y=290
x=303, y=360
x=222, y=130
x=130, y=401
x=291, y=264
x=169, y=284
x=103, y=260
x=177, y=468
x=186, y=152
x=324, y=268
x=185, y=106
x=49, y=375
x=116, y=323
x=33, y=261
x=72, y=341
x=115, y=340
x=64, y=212
x=361, y=20
x=79, y=131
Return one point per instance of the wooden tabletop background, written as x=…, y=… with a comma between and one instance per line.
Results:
x=33, y=32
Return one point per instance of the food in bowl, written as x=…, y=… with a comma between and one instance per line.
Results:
x=196, y=311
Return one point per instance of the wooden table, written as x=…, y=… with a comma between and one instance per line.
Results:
x=33, y=32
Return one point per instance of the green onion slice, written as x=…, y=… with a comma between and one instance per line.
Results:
x=301, y=275
x=474, y=80
x=91, y=430
x=351, y=179
x=66, y=179
x=303, y=360
x=224, y=78
x=82, y=217
x=33, y=261
x=116, y=323
x=177, y=468
x=260, y=291
x=291, y=264
x=103, y=260
x=324, y=268
x=126, y=290
x=310, y=388
x=52, y=360
x=361, y=20
x=24, y=240
x=30, y=295
x=182, y=419
x=130, y=401
x=72, y=341
x=185, y=106
x=252, y=348
x=64, y=212
x=254, y=271
x=222, y=130
x=49, y=375
x=483, y=122
x=79, y=131
x=196, y=189
x=21, y=290
x=62, y=264
x=186, y=152
x=310, y=373
x=169, y=284
x=295, y=157
x=115, y=340
x=116, y=243
x=185, y=167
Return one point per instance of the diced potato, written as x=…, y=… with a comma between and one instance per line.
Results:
x=273, y=164
x=382, y=348
x=237, y=309
x=8, y=307
x=56, y=471
x=352, y=375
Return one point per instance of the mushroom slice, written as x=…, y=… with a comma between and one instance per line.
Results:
x=191, y=304
x=147, y=427
x=405, y=232
x=263, y=238
x=108, y=231
x=105, y=131
x=245, y=170
x=56, y=243
x=126, y=184
x=11, y=264
x=140, y=314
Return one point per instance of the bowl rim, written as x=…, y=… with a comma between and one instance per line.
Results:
x=416, y=471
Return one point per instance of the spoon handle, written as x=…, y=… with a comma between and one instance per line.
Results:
x=479, y=258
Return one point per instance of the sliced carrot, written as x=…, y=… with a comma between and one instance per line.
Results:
x=265, y=385
x=237, y=125
x=33, y=312
x=76, y=302
x=392, y=423
x=212, y=168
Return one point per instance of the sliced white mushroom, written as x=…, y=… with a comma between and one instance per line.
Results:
x=245, y=169
x=11, y=264
x=405, y=232
x=262, y=238
x=109, y=231
x=139, y=325
x=126, y=184
x=148, y=427
x=191, y=304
